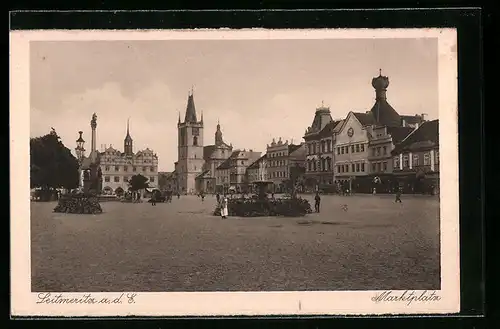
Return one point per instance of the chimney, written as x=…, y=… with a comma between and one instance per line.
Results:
x=404, y=123
x=423, y=116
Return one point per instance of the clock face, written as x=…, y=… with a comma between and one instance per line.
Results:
x=196, y=132
x=350, y=132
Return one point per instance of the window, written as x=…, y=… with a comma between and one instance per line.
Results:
x=378, y=150
x=346, y=168
x=125, y=178
x=106, y=168
x=152, y=179
x=117, y=179
x=379, y=167
x=357, y=148
x=363, y=166
x=374, y=151
x=385, y=150
x=242, y=162
x=396, y=162
x=338, y=150
x=144, y=168
x=314, y=165
x=342, y=149
x=374, y=167
x=134, y=169
x=415, y=159
x=406, y=162
x=125, y=168
x=427, y=159
x=195, y=140
x=357, y=167
x=352, y=148
x=353, y=167
x=329, y=145
x=385, y=166
x=106, y=178
x=117, y=168
x=437, y=156
x=362, y=147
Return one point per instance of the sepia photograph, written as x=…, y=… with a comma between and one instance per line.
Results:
x=220, y=163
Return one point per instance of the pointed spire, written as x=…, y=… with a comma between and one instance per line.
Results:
x=379, y=72
x=201, y=116
x=190, y=110
x=179, y=116
x=128, y=126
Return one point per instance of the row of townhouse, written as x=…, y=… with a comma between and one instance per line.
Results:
x=378, y=149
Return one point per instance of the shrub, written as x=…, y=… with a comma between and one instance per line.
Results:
x=252, y=207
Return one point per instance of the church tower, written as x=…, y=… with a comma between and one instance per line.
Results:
x=190, y=147
x=128, y=142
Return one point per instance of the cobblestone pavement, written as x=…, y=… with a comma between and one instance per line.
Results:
x=375, y=244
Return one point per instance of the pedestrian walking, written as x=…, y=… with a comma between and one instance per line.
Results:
x=202, y=196
x=223, y=207
x=178, y=195
x=317, y=201
x=398, y=195
x=217, y=197
x=153, y=199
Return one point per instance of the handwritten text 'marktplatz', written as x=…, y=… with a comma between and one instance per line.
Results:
x=407, y=296
x=86, y=298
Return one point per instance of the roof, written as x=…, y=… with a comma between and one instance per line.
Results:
x=293, y=147
x=208, y=150
x=427, y=134
x=412, y=119
x=256, y=163
x=366, y=119
x=399, y=133
x=329, y=129
x=190, y=110
x=202, y=175
x=227, y=163
x=385, y=114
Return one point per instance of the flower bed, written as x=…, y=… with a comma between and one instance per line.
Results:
x=252, y=207
x=78, y=204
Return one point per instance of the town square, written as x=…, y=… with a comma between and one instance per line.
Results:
x=273, y=183
x=180, y=246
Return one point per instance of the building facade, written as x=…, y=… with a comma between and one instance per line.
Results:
x=118, y=167
x=231, y=175
x=415, y=160
x=257, y=171
x=319, y=144
x=351, y=150
x=285, y=163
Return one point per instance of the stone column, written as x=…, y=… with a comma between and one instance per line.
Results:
x=410, y=160
x=401, y=161
x=432, y=160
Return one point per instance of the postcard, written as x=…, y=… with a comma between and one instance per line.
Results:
x=234, y=172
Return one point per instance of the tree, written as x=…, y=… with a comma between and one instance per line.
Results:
x=138, y=182
x=51, y=163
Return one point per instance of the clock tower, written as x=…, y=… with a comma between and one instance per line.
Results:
x=190, y=148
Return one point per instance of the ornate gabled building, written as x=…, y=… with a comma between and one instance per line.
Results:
x=118, y=167
x=320, y=139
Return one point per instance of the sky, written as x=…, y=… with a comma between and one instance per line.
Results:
x=257, y=89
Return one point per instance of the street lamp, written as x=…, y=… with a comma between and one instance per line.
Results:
x=80, y=150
